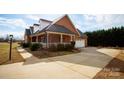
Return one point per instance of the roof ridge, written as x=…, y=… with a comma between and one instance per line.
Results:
x=45, y=20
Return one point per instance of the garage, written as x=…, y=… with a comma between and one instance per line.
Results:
x=80, y=43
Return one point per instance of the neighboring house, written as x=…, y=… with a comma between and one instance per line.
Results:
x=61, y=30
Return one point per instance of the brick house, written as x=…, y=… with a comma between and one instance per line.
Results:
x=60, y=30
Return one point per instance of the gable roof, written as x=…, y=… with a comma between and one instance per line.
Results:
x=59, y=28
x=58, y=19
x=56, y=28
x=81, y=34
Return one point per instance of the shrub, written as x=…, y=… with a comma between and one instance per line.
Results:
x=52, y=47
x=60, y=47
x=25, y=45
x=35, y=46
x=40, y=46
x=73, y=44
x=68, y=47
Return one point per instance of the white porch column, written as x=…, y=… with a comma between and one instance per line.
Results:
x=47, y=40
x=71, y=37
x=37, y=39
x=74, y=37
x=61, y=39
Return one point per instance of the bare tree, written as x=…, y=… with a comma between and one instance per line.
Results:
x=7, y=38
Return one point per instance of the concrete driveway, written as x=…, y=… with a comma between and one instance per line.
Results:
x=81, y=65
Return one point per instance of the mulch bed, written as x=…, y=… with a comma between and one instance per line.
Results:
x=46, y=53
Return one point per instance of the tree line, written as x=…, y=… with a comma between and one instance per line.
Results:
x=6, y=39
x=110, y=37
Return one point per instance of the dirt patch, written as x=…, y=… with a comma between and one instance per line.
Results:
x=114, y=70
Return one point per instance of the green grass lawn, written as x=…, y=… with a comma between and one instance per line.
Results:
x=4, y=54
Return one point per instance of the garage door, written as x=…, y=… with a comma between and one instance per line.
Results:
x=80, y=43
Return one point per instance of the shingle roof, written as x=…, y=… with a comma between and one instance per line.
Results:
x=45, y=20
x=56, y=28
x=81, y=34
x=59, y=18
x=36, y=24
x=53, y=27
x=59, y=28
x=27, y=32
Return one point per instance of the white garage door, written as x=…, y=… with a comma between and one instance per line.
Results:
x=80, y=43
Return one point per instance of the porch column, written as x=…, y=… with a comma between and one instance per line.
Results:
x=61, y=39
x=71, y=37
x=47, y=41
x=74, y=37
x=31, y=39
x=37, y=39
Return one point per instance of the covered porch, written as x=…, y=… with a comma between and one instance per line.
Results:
x=49, y=38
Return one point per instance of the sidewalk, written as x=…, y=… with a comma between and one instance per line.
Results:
x=26, y=55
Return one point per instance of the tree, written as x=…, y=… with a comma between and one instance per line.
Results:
x=110, y=37
x=7, y=38
x=1, y=39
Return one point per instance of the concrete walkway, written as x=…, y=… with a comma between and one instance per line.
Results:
x=26, y=55
x=81, y=65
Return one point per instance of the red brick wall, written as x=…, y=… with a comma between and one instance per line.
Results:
x=27, y=38
x=66, y=23
x=66, y=38
x=54, y=38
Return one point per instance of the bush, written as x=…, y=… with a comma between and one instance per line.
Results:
x=40, y=46
x=35, y=46
x=52, y=47
x=68, y=47
x=60, y=47
x=25, y=45
x=73, y=44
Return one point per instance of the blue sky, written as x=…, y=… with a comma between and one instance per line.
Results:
x=16, y=23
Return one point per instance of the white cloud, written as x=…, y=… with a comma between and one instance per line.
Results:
x=13, y=26
x=16, y=34
x=12, y=22
x=103, y=21
x=33, y=17
x=88, y=17
x=18, y=22
x=44, y=16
